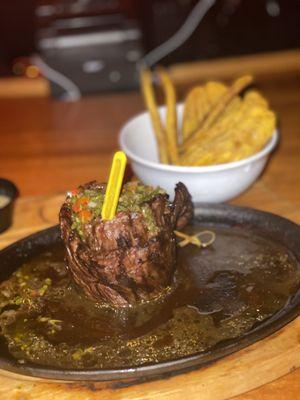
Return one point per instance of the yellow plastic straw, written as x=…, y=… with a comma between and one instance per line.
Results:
x=114, y=185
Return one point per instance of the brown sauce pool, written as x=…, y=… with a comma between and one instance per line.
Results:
x=219, y=293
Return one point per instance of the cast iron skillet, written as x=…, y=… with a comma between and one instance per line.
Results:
x=261, y=223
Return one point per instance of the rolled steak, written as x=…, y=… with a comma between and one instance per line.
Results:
x=130, y=258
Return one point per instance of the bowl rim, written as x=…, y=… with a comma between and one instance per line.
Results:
x=268, y=148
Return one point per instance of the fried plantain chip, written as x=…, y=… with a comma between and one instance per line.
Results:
x=149, y=97
x=250, y=135
x=235, y=89
x=214, y=91
x=254, y=97
x=219, y=108
x=198, y=104
x=218, y=125
x=224, y=124
x=171, y=116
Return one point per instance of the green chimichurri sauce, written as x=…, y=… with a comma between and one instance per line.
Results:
x=87, y=204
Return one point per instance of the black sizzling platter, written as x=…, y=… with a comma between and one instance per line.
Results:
x=224, y=219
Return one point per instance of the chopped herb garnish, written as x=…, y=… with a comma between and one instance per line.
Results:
x=87, y=204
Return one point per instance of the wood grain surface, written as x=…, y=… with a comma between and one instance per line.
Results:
x=48, y=147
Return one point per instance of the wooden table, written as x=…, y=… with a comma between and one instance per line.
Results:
x=48, y=147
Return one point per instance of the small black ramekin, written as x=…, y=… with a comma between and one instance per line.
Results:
x=9, y=189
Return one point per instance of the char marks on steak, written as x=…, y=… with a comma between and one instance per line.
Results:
x=121, y=261
x=183, y=209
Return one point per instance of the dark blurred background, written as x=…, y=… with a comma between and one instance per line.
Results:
x=97, y=43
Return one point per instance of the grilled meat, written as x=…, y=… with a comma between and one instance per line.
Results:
x=130, y=258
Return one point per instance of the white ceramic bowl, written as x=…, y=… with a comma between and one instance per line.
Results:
x=216, y=183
